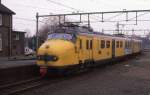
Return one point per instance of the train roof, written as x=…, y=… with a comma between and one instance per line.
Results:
x=76, y=30
x=110, y=36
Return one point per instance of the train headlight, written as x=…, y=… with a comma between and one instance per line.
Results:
x=39, y=57
x=55, y=58
x=51, y=58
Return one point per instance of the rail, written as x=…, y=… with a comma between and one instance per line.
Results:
x=23, y=86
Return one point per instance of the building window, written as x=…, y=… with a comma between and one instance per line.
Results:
x=17, y=36
x=108, y=44
x=102, y=43
x=0, y=19
x=14, y=47
x=1, y=46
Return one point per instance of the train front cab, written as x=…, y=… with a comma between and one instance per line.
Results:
x=57, y=54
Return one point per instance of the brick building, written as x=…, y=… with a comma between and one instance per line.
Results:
x=18, y=43
x=5, y=30
x=11, y=42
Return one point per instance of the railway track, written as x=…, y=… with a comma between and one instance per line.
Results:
x=18, y=87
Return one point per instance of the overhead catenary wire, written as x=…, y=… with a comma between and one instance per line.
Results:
x=139, y=15
x=63, y=5
x=27, y=19
x=66, y=6
x=34, y=7
x=105, y=20
x=33, y=20
x=72, y=9
x=114, y=16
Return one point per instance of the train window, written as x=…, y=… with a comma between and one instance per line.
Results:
x=91, y=43
x=140, y=45
x=97, y=44
x=63, y=36
x=80, y=44
x=102, y=43
x=87, y=44
x=121, y=44
x=126, y=44
x=117, y=45
x=108, y=44
x=129, y=44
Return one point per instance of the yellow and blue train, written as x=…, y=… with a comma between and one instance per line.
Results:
x=80, y=49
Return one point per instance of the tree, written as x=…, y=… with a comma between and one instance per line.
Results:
x=49, y=26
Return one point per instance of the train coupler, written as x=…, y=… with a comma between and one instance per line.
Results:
x=43, y=71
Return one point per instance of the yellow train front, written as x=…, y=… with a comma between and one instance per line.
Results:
x=57, y=52
x=82, y=50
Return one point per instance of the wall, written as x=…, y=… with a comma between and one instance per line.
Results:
x=5, y=31
x=18, y=43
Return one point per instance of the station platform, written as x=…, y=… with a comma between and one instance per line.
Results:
x=4, y=64
x=17, y=70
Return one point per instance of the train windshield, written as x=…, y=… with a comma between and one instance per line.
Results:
x=63, y=36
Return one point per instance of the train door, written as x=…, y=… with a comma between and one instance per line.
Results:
x=91, y=49
x=89, y=46
x=79, y=49
x=113, y=48
x=87, y=49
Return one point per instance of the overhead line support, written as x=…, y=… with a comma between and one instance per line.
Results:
x=102, y=17
x=37, y=27
x=97, y=13
x=136, y=17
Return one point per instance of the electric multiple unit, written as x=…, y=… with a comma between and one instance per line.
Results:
x=77, y=49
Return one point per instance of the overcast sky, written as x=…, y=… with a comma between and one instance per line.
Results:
x=26, y=9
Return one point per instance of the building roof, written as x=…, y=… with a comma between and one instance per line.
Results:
x=4, y=9
x=18, y=32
